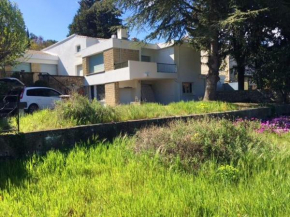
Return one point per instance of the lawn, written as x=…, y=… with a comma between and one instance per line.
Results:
x=199, y=168
x=79, y=110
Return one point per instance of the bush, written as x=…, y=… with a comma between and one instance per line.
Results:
x=194, y=142
x=41, y=83
x=82, y=111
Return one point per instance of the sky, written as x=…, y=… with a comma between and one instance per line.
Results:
x=51, y=18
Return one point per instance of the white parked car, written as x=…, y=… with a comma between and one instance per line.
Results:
x=36, y=98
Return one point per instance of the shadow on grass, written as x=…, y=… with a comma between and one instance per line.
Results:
x=4, y=125
x=12, y=172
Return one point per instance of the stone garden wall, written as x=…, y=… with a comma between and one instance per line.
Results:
x=25, y=144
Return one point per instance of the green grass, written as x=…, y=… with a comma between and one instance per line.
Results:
x=79, y=111
x=115, y=179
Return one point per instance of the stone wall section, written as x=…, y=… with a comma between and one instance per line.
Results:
x=65, y=84
x=112, y=95
x=35, y=67
x=25, y=144
x=86, y=66
x=116, y=55
x=109, y=60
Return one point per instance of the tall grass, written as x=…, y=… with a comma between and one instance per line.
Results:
x=103, y=179
x=79, y=110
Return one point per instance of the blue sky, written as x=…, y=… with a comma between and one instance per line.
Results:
x=50, y=18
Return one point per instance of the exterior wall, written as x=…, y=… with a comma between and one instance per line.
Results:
x=164, y=55
x=109, y=60
x=49, y=68
x=86, y=66
x=35, y=67
x=112, y=97
x=65, y=84
x=116, y=55
x=68, y=57
x=165, y=91
x=189, y=70
x=130, y=90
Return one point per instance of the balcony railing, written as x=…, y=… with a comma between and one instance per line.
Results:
x=166, y=68
x=121, y=65
x=161, y=67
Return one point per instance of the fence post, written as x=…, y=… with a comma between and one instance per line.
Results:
x=18, y=113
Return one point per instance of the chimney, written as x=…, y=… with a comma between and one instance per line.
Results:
x=122, y=34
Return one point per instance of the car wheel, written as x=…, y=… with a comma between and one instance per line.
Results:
x=32, y=108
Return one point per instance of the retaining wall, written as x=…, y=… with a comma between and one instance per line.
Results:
x=254, y=96
x=23, y=144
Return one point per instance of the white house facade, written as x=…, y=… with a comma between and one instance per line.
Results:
x=117, y=70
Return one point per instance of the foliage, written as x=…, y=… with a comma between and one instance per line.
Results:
x=198, y=141
x=195, y=21
x=4, y=124
x=38, y=43
x=243, y=34
x=41, y=83
x=78, y=110
x=13, y=38
x=82, y=111
x=277, y=125
x=100, y=179
x=274, y=69
x=96, y=18
x=228, y=173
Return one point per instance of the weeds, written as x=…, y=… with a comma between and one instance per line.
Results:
x=197, y=141
x=102, y=179
x=78, y=110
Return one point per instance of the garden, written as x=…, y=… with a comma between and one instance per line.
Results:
x=79, y=110
x=195, y=168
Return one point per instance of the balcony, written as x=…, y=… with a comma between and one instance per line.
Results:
x=166, y=68
x=161, y=67
x=134, y=70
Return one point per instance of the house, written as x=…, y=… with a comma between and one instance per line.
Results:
x=118, y=70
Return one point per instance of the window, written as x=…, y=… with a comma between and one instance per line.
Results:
x=54, y=93
x=97, y=63
x=78, y=48
x=35, y=92
x=42, y=92
x=145, y=58
x=187, y=88
x=100, y=92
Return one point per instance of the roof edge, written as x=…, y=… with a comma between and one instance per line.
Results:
x=60, y=42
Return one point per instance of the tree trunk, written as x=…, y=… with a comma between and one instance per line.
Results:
x=241, y=77
x=213, y=72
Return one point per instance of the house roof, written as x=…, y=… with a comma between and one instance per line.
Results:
x=36, y=52
x=68, y=38
x=60, y=42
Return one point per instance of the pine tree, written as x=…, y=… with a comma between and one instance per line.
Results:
x=96, y=18
x=198, y=19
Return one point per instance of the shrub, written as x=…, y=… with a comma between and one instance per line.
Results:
x=228, y=173
x=197, y=141
x=82, y=111
x=41, y=83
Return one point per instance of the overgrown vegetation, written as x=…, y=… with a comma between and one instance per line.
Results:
x=194, y=142
x=79, y=110
x=131, y=178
